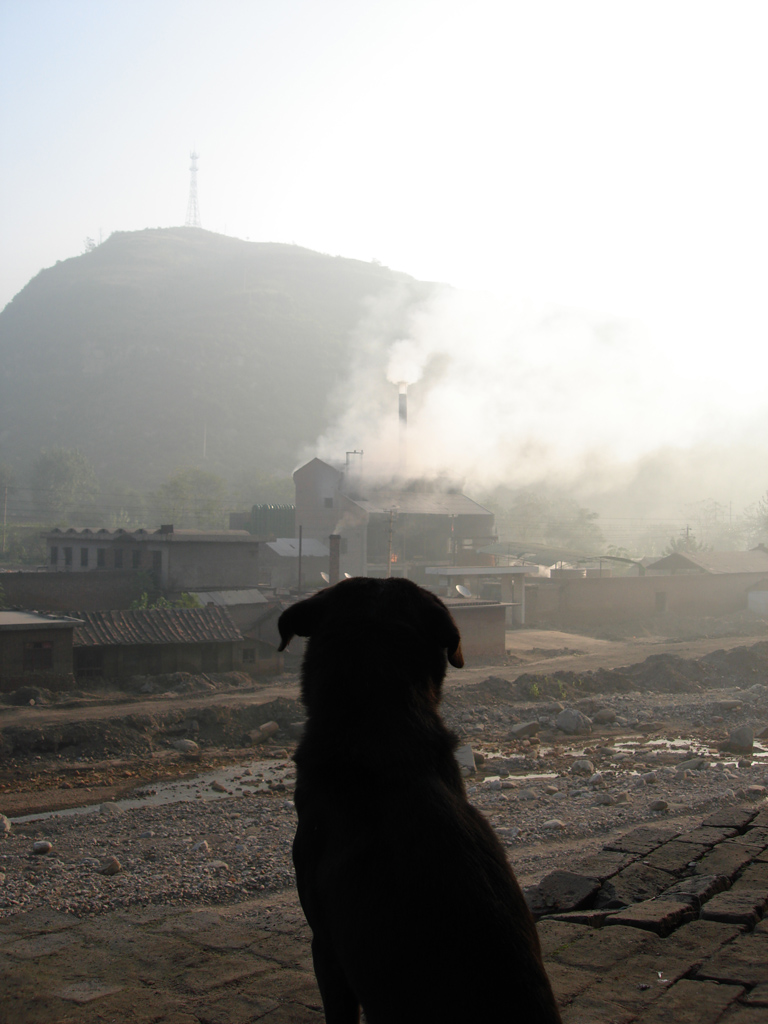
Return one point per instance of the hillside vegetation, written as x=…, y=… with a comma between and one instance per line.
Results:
x=158, y=342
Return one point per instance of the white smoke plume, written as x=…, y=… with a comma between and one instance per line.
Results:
x=500, y=393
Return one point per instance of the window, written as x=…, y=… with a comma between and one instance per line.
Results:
x=118, y=558
x=83, y=558
x=101, y=558
x=136, y=559
x=157, y=561
x=38, y=657
x=249, y=656
x=54, y=556
x=67, y=556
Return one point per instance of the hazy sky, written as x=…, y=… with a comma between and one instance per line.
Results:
x=604, y=156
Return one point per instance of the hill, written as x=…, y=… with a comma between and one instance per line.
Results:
x=159, y=342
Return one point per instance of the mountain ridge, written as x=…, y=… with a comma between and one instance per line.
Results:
x=159, y=345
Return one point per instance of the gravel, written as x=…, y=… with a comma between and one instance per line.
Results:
x=192, y=852
x=208, y=851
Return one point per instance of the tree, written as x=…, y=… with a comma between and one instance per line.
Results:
x=7, y=487
x=257, y=488
x=533, y=517
x=7, y=480
x=715, y=526
x=756, y=521
x=126, y=508
x=63, y=483
x=686, y=542
x=193, y=497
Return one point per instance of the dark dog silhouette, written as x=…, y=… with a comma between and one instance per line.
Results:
x=415, y=913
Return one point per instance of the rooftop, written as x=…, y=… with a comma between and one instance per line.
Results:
x=713, y=561
x=155, y=626
x=15, y=618
x=228, y=598
x=288, y=547
x=435, y=503
x=163, y=535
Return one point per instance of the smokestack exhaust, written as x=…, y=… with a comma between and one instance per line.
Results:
x=402, y=408
x=334, y=563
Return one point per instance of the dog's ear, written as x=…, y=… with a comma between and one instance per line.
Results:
x=447, y=634
x=298, y=620
x=455, y=657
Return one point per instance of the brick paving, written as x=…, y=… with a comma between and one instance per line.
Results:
x=656, y=928
x=690, y=944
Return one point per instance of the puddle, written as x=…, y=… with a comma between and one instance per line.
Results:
x=252, y=777
x=535, y=775
x=691, y=747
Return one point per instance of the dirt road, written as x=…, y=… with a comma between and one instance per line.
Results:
x=529, y=650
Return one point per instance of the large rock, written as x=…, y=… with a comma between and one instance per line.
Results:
x=263, y=733
x=186, y=746
x=466, y=758
x=741, y=740
x=605, y=716
x=562, y=891
x=573, y=722
x=523, y=729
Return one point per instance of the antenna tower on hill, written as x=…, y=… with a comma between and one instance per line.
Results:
x=193, y=212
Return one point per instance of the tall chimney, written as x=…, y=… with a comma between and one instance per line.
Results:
x=402, y=404
x=334, y=562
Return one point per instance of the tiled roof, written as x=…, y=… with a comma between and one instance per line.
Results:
x=717, y=562
x=437, y=503
x=151, y=536
x=227, y=598
x=155, y=626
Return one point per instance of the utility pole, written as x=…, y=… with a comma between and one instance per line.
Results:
x=193, y=212
x=389, y=551
x=5, y=515
x=299, y=582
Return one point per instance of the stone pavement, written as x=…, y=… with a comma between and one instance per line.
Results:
x=658, y=928
x=661, y=927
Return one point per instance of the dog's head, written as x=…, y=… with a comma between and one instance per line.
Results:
x=376, y=622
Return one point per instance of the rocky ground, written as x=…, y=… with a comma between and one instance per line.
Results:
x=558, y=761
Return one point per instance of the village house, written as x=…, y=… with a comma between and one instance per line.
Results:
x=178, y=560
x=385, y=529
x=711, y=583
x=35, y=648
x=147, y=642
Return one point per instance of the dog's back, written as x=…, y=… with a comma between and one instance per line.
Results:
x=414, y=909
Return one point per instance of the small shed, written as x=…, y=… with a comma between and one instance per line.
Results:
x=35, y=647
x=482, y=625
x=757, y=597
x=156, y=641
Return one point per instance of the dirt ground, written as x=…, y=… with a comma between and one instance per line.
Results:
x=39, y=774
x=187, y=912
